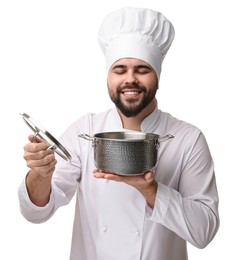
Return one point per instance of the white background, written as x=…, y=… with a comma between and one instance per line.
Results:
x=51, y=67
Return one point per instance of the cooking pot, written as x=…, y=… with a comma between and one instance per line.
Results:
x=125, y=153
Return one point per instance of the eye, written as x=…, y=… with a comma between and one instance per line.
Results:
x=119, y=71
x=143, y=70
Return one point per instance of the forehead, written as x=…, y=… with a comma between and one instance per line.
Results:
x=130, y=62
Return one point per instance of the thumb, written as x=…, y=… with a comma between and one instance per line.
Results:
x=34, y=139
x=149, y=177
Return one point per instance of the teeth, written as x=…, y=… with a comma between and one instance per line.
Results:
x=131, y=93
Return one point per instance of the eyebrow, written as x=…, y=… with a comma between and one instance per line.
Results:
x=119, y=66
x=142, y=67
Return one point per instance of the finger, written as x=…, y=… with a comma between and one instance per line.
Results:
x=36, y=147
x=31, y=163
x=149, y=176
x=98, y=174
x=109, y=176
x=45, y=170
x=34, y=153
x=34, y=138
x=121, y=178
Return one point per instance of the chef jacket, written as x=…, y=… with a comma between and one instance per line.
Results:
x=112, y=219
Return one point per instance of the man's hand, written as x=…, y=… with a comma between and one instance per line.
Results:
x=41, y=162
x=39, y=158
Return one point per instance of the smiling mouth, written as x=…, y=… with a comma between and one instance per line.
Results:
x=131, y=92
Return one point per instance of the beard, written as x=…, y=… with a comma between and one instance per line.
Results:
x=133, y=106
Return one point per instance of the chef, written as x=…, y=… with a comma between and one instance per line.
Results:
x=148, y=217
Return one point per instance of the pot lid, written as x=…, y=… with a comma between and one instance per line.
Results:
x=43, y=134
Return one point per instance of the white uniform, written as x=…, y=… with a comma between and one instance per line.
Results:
x=112, y=220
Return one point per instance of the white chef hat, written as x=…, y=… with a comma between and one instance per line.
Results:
x=136, y=33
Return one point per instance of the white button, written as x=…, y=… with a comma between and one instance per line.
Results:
x=104, y=228
x=137, y=233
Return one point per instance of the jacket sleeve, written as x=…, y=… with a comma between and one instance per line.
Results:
x=191, y=211
x=64, y=182
x=36, y=214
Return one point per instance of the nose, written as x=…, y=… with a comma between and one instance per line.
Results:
x=131, y=79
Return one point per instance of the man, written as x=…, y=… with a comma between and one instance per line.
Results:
x=147, y=217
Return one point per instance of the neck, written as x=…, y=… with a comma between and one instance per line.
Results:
x=134, y=123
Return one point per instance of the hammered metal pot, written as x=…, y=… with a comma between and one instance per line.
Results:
x=125, y=153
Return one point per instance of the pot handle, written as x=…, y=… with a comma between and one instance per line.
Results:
x=165, y=138
x=86, y=137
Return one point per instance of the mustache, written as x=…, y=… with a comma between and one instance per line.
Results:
x=131, y=87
